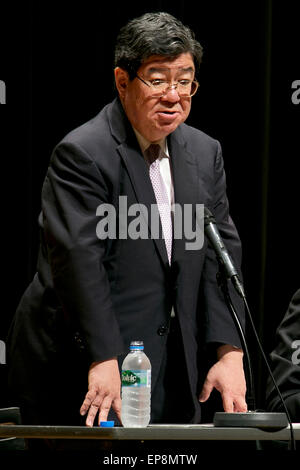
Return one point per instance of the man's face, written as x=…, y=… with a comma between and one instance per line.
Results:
x=154, y=117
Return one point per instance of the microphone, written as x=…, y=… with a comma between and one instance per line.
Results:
x=212, y=233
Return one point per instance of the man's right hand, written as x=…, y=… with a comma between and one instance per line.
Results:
x=104, y=391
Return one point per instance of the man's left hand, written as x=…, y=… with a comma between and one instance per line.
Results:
x=227, y=376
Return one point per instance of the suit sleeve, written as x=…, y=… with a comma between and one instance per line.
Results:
x=285, y=363
x=220, y=325
x=73, y=189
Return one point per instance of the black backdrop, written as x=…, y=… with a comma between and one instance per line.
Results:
x=57, y=60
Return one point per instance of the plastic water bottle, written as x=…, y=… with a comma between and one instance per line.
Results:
x=136, y=387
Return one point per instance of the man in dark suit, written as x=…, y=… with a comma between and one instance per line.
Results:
x=285, y=363
x=93, y=294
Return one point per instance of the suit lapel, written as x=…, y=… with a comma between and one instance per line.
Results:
x=186, y=184
x=139, y=175
x=137, y=169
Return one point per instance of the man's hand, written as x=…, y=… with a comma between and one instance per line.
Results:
x=227, y=376
x=104, y=391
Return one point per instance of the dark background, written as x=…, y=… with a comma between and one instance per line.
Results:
x=57, y=61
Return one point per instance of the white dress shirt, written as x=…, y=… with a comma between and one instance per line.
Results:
x=164, y=163
x=164, y=167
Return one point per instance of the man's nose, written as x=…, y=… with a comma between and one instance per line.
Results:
x=171, y=95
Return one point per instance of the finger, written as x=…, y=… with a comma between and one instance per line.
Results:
x=117, y=407
x=206, y=391
x=88, y=400
x=104, y=409
x=94, y=408
x=227, y=403
x=240, y=405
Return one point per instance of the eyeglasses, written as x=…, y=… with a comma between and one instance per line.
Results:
x=159, y=87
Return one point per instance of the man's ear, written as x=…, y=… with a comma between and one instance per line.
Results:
x=121, y=78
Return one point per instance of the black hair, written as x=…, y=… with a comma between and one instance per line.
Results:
x=154, y=34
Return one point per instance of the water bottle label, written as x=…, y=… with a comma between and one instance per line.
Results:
x=136, y=378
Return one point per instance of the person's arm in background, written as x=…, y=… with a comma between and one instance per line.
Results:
x=285, y=363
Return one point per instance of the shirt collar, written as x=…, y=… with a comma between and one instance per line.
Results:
x=144, y=143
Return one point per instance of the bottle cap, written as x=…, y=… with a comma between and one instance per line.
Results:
x=107, y=424
x=136, y=345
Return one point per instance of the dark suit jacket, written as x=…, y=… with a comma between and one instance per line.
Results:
x=100, y=295
x=285, y=362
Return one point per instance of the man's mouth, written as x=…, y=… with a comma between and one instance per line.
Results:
x=167, y=116
x=168, y=112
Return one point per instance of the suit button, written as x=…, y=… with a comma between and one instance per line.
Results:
x=162, y=330
x=79, y=341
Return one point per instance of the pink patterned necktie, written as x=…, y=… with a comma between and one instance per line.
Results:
x=152, y=154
